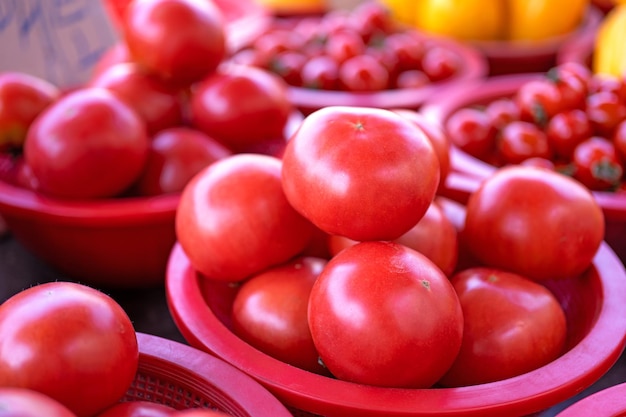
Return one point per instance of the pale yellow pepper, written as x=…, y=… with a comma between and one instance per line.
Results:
x=609, y=55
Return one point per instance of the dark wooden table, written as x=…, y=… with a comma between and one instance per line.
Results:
x=148, y=309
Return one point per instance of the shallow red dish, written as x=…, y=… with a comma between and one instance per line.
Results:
x=482, y=92
x=596, y=338
x=182, y=377
x=473, y=67
x=609, y=402
x=522, y=57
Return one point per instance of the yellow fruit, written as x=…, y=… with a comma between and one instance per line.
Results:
x=609, y=55
x=403, y=11
x=461, y=19
x=294, y=6
x=532, y=20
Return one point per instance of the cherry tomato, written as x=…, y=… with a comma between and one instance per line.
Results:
x=597, y=164
x=176, y=155
x=344, y=45
x=533, y=222
x=538, y=100
x=180, y=40
x=605, y=111
x=411, y=79
x=471, y=131
x=383, y=314
x=237, y=208
x=88, y=144
x=502, y=111
x=363, y=73
x=408, y=52
x=521, y=140
x=70, y=342
x=137, y=409
x=219, y=109
x=157, y=103
x=22, y=98
x=566, y=130
x=321, y=73
x=288, y=65
x=22, y=402
x=115, y=54
x=270, y=312
x=363, y=173
x=512, y=325
x=619, y=139
x=440, y=63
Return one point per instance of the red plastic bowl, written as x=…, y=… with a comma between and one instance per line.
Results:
x=594, y=305
x=609, y=402
x=120, y=243
x=181, y=377
x=473, y=67
x=441, y=108
x=506, y=57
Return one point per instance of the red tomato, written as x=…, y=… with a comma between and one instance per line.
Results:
x=534, y=222
x=22, y=98
x=538, y=100
x=383, y=314
x=605, y=111
x=344, y=45
x=288, y=65
x=520, y=140
x=512, y=325
x=237, y=208
x=157, y=103
x=433, y=236
x=321, y=73
x=21, y=402
x=241, y=106
x=363, y=173
x=180, y=40
x=471, y=131
x=116, y=54
x=440, y=63
x=566, y=130
x=363, y=73
x=502, y=111
x=89, y=144
x=68, y=341
x=138, y=409
x=176, y=155
x=597, y=164
x=270, y=312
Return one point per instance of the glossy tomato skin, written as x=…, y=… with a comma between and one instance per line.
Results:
x=22, y=98
x=382, y=314
x=233, y=219
x=70, y=339
x=180, y=40
x=363, y=173
x=241, y=106
x=22, y=402
x=137, y=409
x=270, y=312
x=89, y=144
x=534, y=222
x=177, y=154
x=512, y=325
x=159, y=104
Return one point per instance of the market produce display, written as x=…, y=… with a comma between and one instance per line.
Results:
x=303, y=197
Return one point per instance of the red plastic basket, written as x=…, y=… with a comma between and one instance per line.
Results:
x=180, y=376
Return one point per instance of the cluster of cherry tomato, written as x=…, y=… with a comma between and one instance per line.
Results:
x=362, y=49
x=569, y=120
x=149, y=118
x=350, y=266
x=69, y=350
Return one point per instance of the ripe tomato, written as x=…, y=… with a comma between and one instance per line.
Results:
x=363, y=73
x=137, y=409
x=538, y=100
x=176, y=155
x=512, y=325
x=383, y=314
x=534, y=222
x=502, y=111
x=321, y=73
x=217, y=107
x=363, y=173
x=605, y=111
x=70, y=342
x=521, y=140
x=233, y=219
x=22, y=98
x=597, y=164
x=22, y=402
x=157, y=103
x=471, y=131
x=180, y=40
x=434, y=236
x=566, y=130
x=440, y=63
x=88, y=144
x=270, y=312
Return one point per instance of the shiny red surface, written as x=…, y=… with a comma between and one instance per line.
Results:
x=596, y=338
x=610, y=402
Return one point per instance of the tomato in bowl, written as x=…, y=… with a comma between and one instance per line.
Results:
x=201, y=308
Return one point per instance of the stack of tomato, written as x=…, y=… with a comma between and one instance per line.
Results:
x=160, y=106
x=363, y=49
x=567, y=119
x=389, y=303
